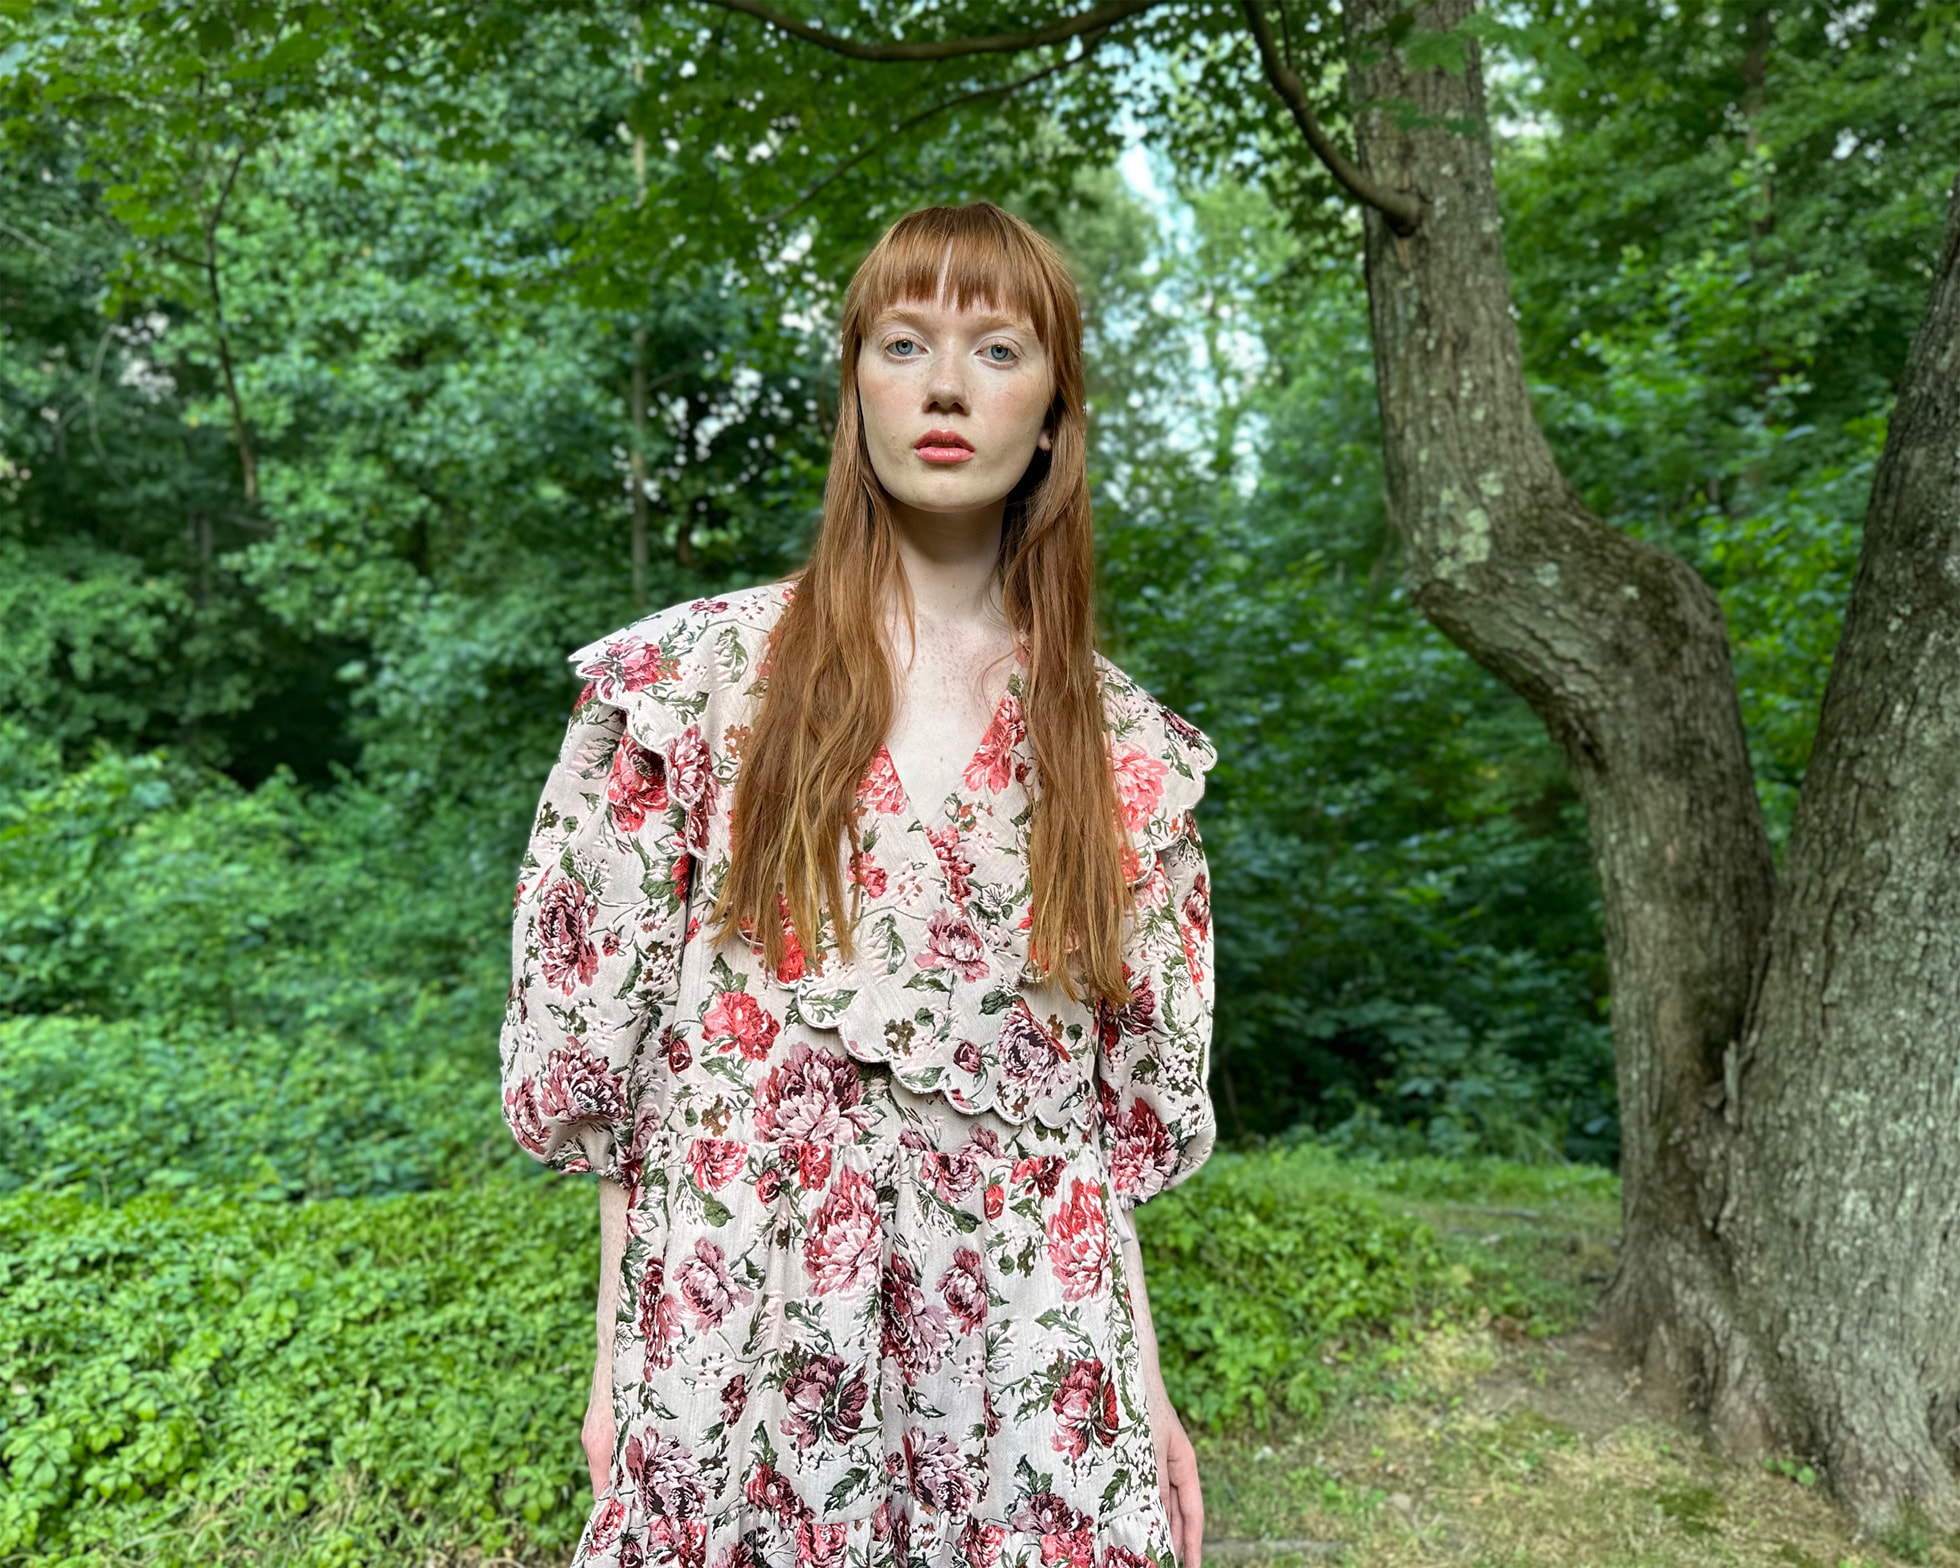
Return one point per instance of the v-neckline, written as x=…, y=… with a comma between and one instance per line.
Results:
x=911, y=808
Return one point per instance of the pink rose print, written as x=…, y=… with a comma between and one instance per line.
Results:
x=641, y=664
x=737, y=1020
x=1197, y=905
x=741, y=1554
x=980, y=1544
x=963, y=1287
x=1042, y=1171
x=770, y=1490
x=821, y=1400
x=951, y=853
x=706, y=1288
x=564, y=935
x=842, y=1244
x=1085, y=1405
x=667, y=1475
x=915, y=1330
x=996, y=1201
x=812, y=1095
x=1116, y=1555
x=812, y=1165
x=820, y=1545
x=691, y=778
x=952, y=943
x=1078, y=1242
x=992, y=767
x=713, y=1162
x=660, y=1320
x=637, y=785
x=790, y=970
x=1141, y=1012
x=1143, y=1155
x=674, y=1046
x=937, y=1471
x=578, y=1086
x=1030, y=1056
x=734, y=1398
x=881, y=790
x=606, y=1523
x=1067, y=1534
x=1139, y=783
x=868, y=874
x=951, y=1176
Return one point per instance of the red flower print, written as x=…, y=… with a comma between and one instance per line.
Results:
x=915, y=1329
x=1180, y=726
x=565, y=936
x=641, y=664
x=713, y=1162
x=963, y=1287
x=821, y=1545
x=1043, y=1172
x=821, y=1400
x=812, y=1165
x=1197, y=906
x=1087, y=1405
x=818, y=1095
x=938, y=1471
x=952, y=943
x=951, y=1176
x=636, y=786
x=741, y=1554
x=844, y=1239
x=683, y=865
x=992, y=767
x=951, y=852
x=969, y=1058
x=1030, y=1055
x=1078, y=1242
x=980, y=1544
x=1143, y=1155
x=880, y=789
x=868, y=874
x=790, y=970
x=660, y=1320
x=1067, y=1534
x=770, y=1490
x=1139, y=783
x=606, y=1522
x=579, y=1086
x=996, y=1201
x=1116, y=1555
x=1140, y=1012
x=667, y=1475
x=706, y=1288
x=734, y=1398
x=674, y=1046
x=691, y=778
x=737, y=1020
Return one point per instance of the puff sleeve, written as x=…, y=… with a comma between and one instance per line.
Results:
x=1154, y=1056
x=601, y=917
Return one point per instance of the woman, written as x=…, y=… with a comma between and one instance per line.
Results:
x=863, y=949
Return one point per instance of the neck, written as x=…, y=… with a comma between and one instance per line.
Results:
x=950, y=562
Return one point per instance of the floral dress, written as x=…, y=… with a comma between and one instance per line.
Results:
x=872, y=1310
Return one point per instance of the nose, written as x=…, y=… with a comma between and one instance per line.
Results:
x=946, y=388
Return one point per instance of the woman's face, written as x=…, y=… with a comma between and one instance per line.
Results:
x=954, y=405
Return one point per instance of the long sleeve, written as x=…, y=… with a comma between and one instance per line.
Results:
x=1155, y=1054
x=601, y=917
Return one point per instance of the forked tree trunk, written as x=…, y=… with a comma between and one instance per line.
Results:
x=1764, y=1191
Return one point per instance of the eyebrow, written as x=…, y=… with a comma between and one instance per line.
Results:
x=911, y=314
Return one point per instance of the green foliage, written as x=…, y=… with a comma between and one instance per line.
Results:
x=1277, y=1278
x=337, y=1383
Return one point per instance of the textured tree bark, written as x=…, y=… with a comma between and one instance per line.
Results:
x=1844, y=1216
x=1622, y=651
x=1791, y=1243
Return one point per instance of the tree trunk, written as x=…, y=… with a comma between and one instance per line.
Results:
x=1622, y=651
x=1791, y=1231
x=1845, y=1214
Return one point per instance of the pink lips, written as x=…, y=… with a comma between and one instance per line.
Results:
x=943, y=446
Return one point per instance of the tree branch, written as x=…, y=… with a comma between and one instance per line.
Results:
x=1000, y=90
x=1094, y=20
x=1402, y=209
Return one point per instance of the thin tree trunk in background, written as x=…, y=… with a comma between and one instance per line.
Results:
x=1622, y=651
x=1844, y=1213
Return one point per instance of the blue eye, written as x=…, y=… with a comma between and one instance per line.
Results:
x=1000, y=353
x=902, y=347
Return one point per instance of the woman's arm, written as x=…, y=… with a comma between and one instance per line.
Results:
x=599, y=1432
x=1177, y=1462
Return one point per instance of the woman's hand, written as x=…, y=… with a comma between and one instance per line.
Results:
x=1177, y=1478
x=598, y=1432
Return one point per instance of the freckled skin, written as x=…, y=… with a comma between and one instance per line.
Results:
x=985, y=376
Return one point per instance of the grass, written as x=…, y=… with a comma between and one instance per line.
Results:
x=1516, y=1441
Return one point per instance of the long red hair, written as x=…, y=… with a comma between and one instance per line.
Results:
x=830, y=695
